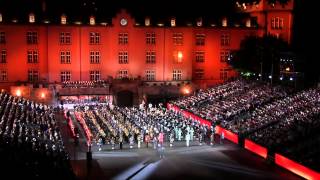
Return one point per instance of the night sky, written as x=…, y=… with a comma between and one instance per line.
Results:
x=81, y=9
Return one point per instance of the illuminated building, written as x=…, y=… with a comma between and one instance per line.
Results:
x=45, y=52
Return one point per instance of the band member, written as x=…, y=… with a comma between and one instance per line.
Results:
x=187, y=139
x=120, y=140
x=212, y=139
x=171, y=139
x=131, y=141
x=147, y=139
x=139, y=141
x=221, y=138
x=155, y=142
x=112, y=143
x=160, y=138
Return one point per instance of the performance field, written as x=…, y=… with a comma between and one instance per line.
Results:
x=207, y=159
x=219, y=161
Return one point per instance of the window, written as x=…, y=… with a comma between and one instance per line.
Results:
x=2, y=37
x=32, y=37
x=173, y=22
x=94, y=38
x=150, y=75
x=3, y=56
x=32, y=18
x=224, y=55
x=65, y=76
x=123, y=74
x=92, y=20
x=65, y=38
x=225, y=39
x=123, y=57
x=65, y=57
x=123, y=38
x=33, y=75
x=199, y=56
x=276, y=23
x=147, y=21
x=200, y=39
x=198, y=74
x=4, y=75
x=177, y=57
x=32, y=56
x=150, y=57
x=176, y=75
x=224, y=22
x=223, y=74
x=151, y=38
x=63, y=19
x=177, y=38
x=94, y=57
x=94, y=75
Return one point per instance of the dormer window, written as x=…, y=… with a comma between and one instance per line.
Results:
x=248, y=22
x=32, y=18
x=224, y=22
x=92, y=20
x=147, y=21
x=199, y=22
x=63, y=19
x=173, y=22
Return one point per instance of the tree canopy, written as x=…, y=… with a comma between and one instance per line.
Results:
x=259, y=54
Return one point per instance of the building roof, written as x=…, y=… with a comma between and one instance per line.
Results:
x=185, y=12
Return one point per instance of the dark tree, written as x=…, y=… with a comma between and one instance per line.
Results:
x=259, y=55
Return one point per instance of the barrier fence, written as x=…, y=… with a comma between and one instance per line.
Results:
x=255, y=148
x=296, y=167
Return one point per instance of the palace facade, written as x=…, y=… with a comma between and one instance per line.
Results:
x=45, y=52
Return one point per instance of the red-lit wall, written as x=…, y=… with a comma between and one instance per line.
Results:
x=265, y=11
x=16, y=47
x=49, y=48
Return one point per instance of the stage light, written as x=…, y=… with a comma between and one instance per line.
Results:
x=18, y=93
x=259, y=75
x=186, y=90
x=281, y=78
x=288, y=69
x=270, y=77
x=291, y=78
x=43, y=95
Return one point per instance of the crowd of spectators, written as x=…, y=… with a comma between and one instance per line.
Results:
x=30, y=140
x=275, y=117
x=85, y=84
